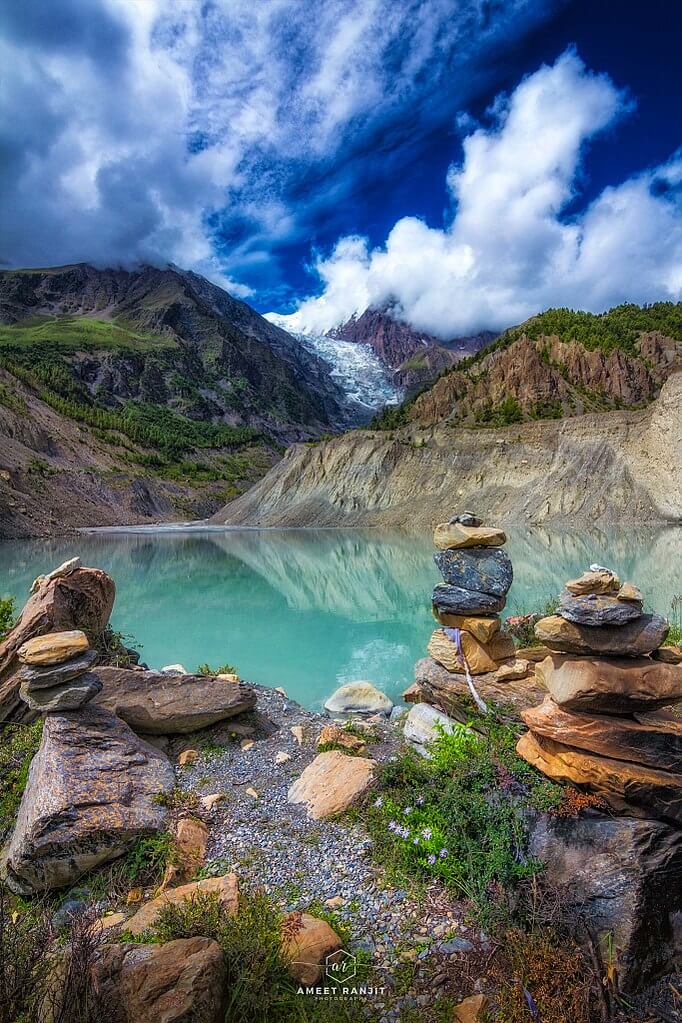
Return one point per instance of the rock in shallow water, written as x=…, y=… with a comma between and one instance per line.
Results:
x=459, y=601
x=91, y=792
x=358, y=698
x=642, y=636
x=479, y=569
x=596, y=610
x=611, y=685
x=66, y=696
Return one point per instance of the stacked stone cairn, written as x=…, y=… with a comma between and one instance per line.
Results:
x=602, y=725
x=477, y=574
x=55, y=675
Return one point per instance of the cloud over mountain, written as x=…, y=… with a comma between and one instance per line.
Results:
x=509, y=249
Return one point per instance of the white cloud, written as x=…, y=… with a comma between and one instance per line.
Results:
x=131, y=129
x=507, y=252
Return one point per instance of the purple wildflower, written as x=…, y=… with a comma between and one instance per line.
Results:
x=420, y=801
x=443, y=853
x=392, y=826
x=431, y=860
x=415, y=841
x=407, y=810
x=378, y=802
x=426, y=833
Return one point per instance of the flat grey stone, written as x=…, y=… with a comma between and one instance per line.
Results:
x=33, y=677
x=460, y=601
x=68, y=696
x=597, y=609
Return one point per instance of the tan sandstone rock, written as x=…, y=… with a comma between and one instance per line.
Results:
x=53, y=648
x=641, y=636
x=669, y=654
x=654, y=740
x=332, y=782
x=333, y=735
x=471, y=1010
x=513, y=670
x=188, y=757
x=482, y=629
x=177, y=982
x=612, y=685
x=306, y=943
x=454, y=536
x=630, y=593
x=594, y=582
x=445, y=652
x=361, y=697
x=191, y=838
x=224, y=887
x=631, y=789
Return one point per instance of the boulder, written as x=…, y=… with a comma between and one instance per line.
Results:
x=444, y=650
x=669, y=654
x=332, y=783
x=512, y=671
x=601, y=580
x=594, y=609
x=480, y=569
x=358, y=698
x=67, y=696
x=91, y=792
x=53, y=648
x=333, y=735
x=625, y=877
x=81, y=600
x=482, y=629
x=178, y=982
x=642, y=636
x=225, y=888
x=451, y=694
x=655, y=740
x=630, y=789
x=612, y=685
x=307, y=942
x=160, y=703
x=459, y=601
x=47, y=677
x=423, y=724
x=450, y=536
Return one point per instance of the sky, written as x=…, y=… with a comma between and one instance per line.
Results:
x=469, y=162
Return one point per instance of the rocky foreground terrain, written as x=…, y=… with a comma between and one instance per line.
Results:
x=190, y=846
x=605, y=468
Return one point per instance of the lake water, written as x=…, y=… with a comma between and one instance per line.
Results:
x=311, y=609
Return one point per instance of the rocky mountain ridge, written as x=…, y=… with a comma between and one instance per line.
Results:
x=414, y=357
x=600, y=469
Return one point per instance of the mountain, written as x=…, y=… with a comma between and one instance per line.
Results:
x=571, y=418
x=127, y=396
x=413, y=356
x=559, y=363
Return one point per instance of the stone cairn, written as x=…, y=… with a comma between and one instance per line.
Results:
x=477, y=574
x=601, y=725
x=55, y=675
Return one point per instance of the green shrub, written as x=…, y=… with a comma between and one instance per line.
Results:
x=461, y=816
x=7, y=615
x=18, y=746
x=146, y=861
x=221, y=669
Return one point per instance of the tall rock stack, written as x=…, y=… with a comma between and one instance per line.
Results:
x=55, y=675
x=602, y=725
x=477, y=574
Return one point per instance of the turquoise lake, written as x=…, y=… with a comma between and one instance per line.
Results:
x=311, y=609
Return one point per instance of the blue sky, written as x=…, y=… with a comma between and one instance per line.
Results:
x=470, y=161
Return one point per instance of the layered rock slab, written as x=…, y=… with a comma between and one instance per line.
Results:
x=457, y=600
x=655, y=741
x=642, y=636
x=630, y=789
x=159, y=703
x=81, y=600
x=451, y=693
x=91, y=792
x=616, y=685
x=597, y=610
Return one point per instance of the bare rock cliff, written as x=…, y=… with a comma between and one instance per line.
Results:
x=601, y=468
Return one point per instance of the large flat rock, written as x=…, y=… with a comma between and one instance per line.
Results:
x=332, y=782
x=451, y=693
x=160, y=703
x=630, y=789
x=612, y=685
x=92, y=791
x=656, y=741
x=633, y=639
x=81, y=600
x=225, y=889
x=625, y=877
